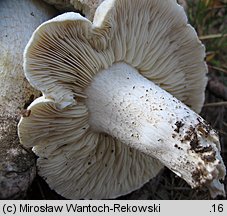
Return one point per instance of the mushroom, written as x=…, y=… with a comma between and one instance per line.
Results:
x=87, y=7
x=18, y=20
x=113, y=108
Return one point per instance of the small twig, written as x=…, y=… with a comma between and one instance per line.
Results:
x=179, y=188
x=224, y=123
x=218, y=69
x=212, y=36
x=215, y=104
x=217, y=7
x=222, y=132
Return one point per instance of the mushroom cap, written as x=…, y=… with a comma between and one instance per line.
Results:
x=87, y=7
x=63, y=56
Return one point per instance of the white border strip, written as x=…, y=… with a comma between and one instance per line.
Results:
x=112, y=207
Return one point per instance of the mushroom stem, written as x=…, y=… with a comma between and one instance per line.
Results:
x=129, y=107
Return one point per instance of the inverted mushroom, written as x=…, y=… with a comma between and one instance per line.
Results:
x=111, y=113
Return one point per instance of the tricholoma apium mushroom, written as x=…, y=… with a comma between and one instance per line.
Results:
x=111, y=114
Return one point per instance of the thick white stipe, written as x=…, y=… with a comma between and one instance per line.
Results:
x=127, y=106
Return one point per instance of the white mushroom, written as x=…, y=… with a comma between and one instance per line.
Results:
x=18, y=19
x=108, y=120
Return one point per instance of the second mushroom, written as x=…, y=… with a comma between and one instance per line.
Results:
x=113, y=108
